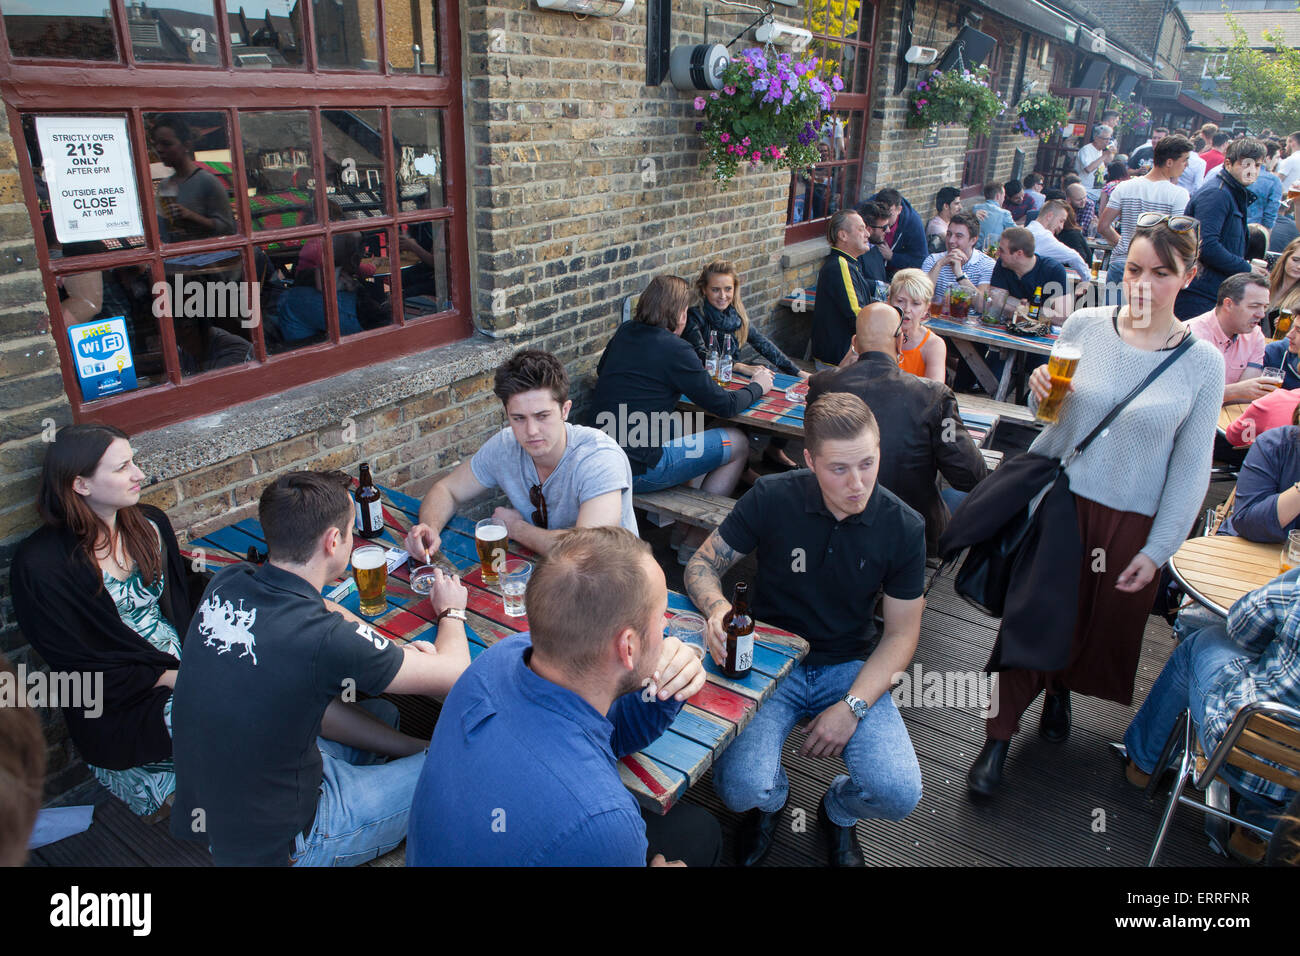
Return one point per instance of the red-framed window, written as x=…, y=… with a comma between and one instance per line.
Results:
x=321, y=226
x=844, y=33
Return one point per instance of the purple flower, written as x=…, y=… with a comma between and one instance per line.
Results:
x=729, y=90
x=698, y=127
x=699, y=102
x=713, y=95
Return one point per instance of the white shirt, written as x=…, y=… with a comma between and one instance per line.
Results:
x=979, y=269
x=1193, y=177
x=1046, y=244
x=1138, y=195
x=1288, y=170
x=1087, y=154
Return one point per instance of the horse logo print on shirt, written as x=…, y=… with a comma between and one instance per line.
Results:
x=221, y=621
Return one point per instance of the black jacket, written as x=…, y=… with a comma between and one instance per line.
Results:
x=841, y=292
x=68, y=615
x=1221, y=208
x=910, y=248
x=921, y=434
x=644, y=371
x=1042, y=599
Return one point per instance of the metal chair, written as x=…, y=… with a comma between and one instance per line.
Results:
x=1263, y=739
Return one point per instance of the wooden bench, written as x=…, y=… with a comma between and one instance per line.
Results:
x=702, y=509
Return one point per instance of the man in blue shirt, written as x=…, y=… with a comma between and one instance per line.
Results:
x=993, y=218
x=1265, y=194
x=523, y=766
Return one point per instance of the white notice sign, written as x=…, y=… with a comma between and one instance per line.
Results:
x=91, y=176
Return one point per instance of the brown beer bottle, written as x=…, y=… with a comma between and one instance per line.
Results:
x=1036, y=304
x=370, y=513
x=740, y=635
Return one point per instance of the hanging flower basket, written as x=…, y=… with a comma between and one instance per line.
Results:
x=955, y=97
x=1041, y=115
x=1133, y=117
x=768, y=112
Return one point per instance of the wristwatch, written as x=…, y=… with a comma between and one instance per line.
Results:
x=857, y=705
x=455, y=613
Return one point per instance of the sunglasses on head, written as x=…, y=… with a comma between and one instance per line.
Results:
x=538, y=501
x=1180, y=224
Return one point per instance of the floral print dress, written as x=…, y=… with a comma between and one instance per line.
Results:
x=144, y=789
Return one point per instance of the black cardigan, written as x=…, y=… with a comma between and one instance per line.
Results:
x=67, y=614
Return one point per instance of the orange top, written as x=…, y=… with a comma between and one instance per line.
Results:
x=911, y=360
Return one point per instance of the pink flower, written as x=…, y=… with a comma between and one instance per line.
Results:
x=921, y=102
x=729, y=90
x=699, y=102
x=775, y=151
x=724, y=137
x=757, y=157
x=745, y=141
x=713, y=95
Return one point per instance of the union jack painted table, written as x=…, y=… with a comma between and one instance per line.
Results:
x=658, y=775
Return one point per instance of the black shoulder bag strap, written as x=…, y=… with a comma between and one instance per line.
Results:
x=1155, y=373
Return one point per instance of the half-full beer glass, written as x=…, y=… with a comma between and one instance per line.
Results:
x=370, y=571
x=1061, y=366
x=492, y=541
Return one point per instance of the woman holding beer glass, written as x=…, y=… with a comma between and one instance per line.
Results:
x=923, y=353
x=1137, y=488
x=100, y=590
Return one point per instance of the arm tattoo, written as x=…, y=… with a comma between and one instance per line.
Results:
x=704, y=571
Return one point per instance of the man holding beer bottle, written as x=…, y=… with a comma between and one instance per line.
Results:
x=827, y=540
x=556, y=475
x=272, y=767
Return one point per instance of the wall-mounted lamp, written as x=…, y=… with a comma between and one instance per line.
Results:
x=783, y=34
x=594, y=8
x=921, y=55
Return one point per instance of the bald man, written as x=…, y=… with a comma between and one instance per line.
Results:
x=921, y=432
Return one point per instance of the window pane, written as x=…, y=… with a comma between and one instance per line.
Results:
x=184, y=31
x=113, y=294
x=192, y=175
x=346, y=34
x=280, y=166
x=290, y=264
x=354, y=163
x=418, y=135
x=412, y=29
x=213, y=311
x=426, y=288
x=297, y=313
x=361, y=268
x=62, y=29
x=266, y=36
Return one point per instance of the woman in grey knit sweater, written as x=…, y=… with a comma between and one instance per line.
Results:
x=1138, y=487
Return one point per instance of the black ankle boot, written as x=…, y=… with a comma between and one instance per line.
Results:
x=986, y=772
x=1055, y=723
x=754, y=836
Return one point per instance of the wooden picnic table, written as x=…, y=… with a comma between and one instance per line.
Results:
x=968, y=338
x=777, y=414
x=1216, y=570
x=661, y=773
x=1229, y=414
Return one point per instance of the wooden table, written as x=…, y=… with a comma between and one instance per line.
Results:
x=1218, y=569
x=1229, y=414
x=777, y=414
x=658, y=775
x=967, y=338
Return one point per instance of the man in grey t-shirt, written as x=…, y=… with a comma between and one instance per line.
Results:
x=556, y=475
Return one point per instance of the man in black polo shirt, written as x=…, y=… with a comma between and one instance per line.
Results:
x=841, y=289
x=1020, y=272
x=921, y=431
x=273, y=768
x=828, y=540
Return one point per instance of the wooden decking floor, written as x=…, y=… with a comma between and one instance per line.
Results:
x=1060, y=804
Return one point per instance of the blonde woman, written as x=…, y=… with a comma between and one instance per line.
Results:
x=923, y=353
x=1284, y=281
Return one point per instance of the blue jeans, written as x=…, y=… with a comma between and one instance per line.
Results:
x=684, y=458
x=884, y=779
x=1188, y=675
x=364, y=803
x=1114, y=280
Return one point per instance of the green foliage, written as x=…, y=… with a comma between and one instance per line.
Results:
x=954, y=97
x=1264, y=86
x=1041, y=115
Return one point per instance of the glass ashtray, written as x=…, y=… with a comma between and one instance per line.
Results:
x=422, y=579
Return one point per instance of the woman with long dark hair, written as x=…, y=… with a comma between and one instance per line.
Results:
x=1137, y=488
x=100, y=592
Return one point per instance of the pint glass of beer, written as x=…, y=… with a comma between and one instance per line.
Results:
x=370, y=570
x=491, y=539
x=1097, y=257
x=1290, y=552
x=1061, y=365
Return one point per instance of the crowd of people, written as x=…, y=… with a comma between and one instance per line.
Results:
x=230, y=700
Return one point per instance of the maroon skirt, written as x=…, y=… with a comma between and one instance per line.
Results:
x=1108, y=624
